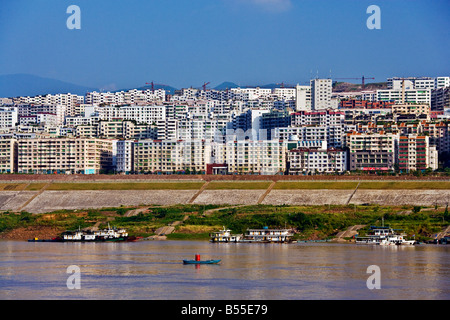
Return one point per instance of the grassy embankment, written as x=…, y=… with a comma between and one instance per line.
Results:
x=311, y=222
x=224, y=185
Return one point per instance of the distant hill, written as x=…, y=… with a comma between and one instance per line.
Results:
x=348, y=87
x=14, y=85
x=226, y=85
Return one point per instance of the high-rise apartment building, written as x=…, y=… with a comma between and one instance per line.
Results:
x=259, y=157
x=65, y=155
x=321, y=93
x=8, y=155
x=372, y=152
x=168, y=156
x=316, y=160
x=303, y=98
x=415, y=153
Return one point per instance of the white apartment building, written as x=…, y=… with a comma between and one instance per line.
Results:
x=67, y=100
x=47, y=119
x=186, y=94
x=140, y=114
x=302, y=98
x=332, y=134
x=171, y=156
x=8, y=155
x=420, y=96
x=416, y=153
x=284, y=94
x=6, y=101
x=442, y=82
x=251, y=93
x=369, y=95
x=133, y=97
x=123, y=156
x=166, y=129
x=396, y=83
x=29, y=110
x=316, y=160
x=9, y=118
x=267, y=157
x=74, y=122
x=372, y=151
x=321, y=90
x=317, y=118
x=64, y=155
x=207, y=129
x=247, y=125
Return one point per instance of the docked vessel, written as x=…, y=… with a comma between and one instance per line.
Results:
x=264, y=235
x=225, y=236
x=109, y=234
x=384, y=236
x=267, y=235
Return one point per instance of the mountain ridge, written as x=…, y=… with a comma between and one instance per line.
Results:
x=15, y=85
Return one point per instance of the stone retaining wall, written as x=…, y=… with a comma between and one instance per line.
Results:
x=49, y=201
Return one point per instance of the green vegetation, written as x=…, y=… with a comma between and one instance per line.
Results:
x=396, y=185
x=244, y=185
x=286, y=185
x=197, y=221
x=228, y=185
x=12, y=186
x=372, y=185
x=35, y=186
x=127, y=186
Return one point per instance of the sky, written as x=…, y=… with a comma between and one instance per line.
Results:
x=183, y=43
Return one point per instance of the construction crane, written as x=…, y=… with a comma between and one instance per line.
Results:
x=154, y=84
x=204, y=85
x=363, y=80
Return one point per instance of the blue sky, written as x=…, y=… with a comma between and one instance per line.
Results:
x=183, y=43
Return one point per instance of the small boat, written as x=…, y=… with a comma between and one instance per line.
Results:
x=201, y=261
x=198, y=261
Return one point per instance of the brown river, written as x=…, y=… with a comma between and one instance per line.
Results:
x=153, y=270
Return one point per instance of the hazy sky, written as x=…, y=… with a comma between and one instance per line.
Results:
x=184, y=43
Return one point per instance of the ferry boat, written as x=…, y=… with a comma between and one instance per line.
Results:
x=109, y=234
x=267, y=235
x=396, y=240
x=264, y=235
x=225, y=236
x=383, y=236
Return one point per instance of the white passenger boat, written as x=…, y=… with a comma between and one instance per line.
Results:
x=264, y=235
x=268, y=235
x=384, y=236
x=109, y=234
x=225, y=236
x=396, y=240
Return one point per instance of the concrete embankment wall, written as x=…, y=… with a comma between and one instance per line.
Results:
x=48, y=201
x=39, y=194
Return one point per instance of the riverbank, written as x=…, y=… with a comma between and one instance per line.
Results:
x=196, y=222
x=39, y=196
